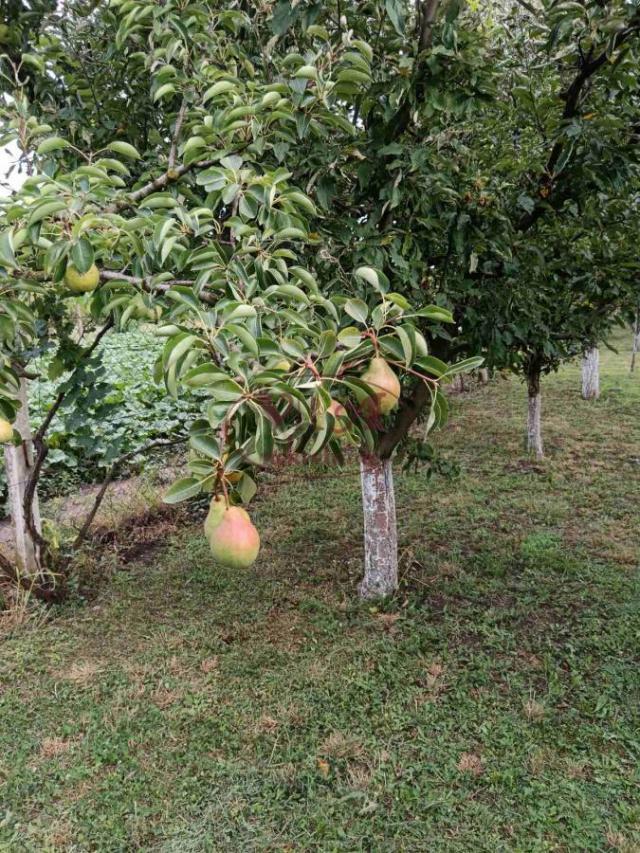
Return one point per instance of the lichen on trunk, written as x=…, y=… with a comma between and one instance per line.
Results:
x=380, y=532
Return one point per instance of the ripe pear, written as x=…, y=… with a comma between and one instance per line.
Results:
x=214, y=516
x=234, y=541
x=82, y=282
x=340, y=414
x=384, y=383
x=6, y=431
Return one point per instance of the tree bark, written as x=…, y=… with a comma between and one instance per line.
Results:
x=19, y=464
x=483, y=375
x=534, y=429
x=636, y=341
x=591, y=374
x=380, y=532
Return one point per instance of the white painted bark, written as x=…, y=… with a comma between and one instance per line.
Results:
x=591, y=374
x=380, y=532
x=636, y=342
x=483, y=375
x=534, y=419
x=18, y=462
x=457, y=384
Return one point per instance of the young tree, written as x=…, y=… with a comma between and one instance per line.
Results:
x=563, y=182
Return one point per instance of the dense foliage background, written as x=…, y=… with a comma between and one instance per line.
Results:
x=124, y=410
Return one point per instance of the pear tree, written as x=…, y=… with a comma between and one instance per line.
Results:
x=205, y=228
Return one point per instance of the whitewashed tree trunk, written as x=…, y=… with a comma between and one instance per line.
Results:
x=18, y=462
x=380, y=532
x=483, y=375
x=457, y=384
x=534, y=420
x=591, y=374
x=636, y=341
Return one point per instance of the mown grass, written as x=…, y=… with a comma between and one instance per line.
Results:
x=493, y=705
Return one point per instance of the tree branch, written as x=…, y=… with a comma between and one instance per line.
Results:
x=150, y=286
x=427, y=13
x=42, y=449
x=529, y=7
x=84, y=530
x=410, y=409
x=159, y=183
x=176, y=136
x=572, y=98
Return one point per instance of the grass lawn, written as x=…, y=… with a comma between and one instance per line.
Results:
x=493, y=705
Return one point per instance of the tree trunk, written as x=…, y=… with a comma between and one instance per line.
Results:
x=534, y=431
x=591, y=374
x=19, y=462
x=636, y=341
x=380, y=533
x=483, y=375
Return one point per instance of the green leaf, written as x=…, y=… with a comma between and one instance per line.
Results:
x=82, y=255
x=350, y=337
x=432, y=365
x=407, y=339
x=219, y=88
x=248, y=340
x=307, y=72
x=203, y=376
x=375, y=277
x=167, y=89
x=395, y=15
x=226, y=391
x=125, y=149
x=435, y=312
x=7, y=258
x=357, y=309
x=246, y=488
x=207, y=445
x=327, y=343
x=184, y=489
x=53, y=143
x=47, y=209
x=305, y=277
x=464, y=366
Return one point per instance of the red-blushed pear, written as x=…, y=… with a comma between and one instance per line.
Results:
x=234, y=541
x=214, y=516
x=6, y=431
x=340, y=415
x=82, y=282
x=385, y=385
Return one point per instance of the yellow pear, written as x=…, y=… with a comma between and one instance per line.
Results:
x=82, y=282
x=384, y=383
x=6, y=431
x=234, y=541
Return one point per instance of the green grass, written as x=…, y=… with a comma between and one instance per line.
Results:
x=493, y=705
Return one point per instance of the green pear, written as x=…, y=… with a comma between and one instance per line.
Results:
x=82, y=282
x=384, y=383
x=214, y=516
x=234, y=541
x=341, y=418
